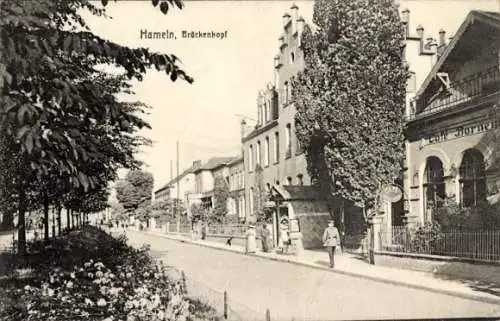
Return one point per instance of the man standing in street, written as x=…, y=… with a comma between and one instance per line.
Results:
x=331, y=239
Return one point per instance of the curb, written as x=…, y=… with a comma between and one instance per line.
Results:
x=469, y=296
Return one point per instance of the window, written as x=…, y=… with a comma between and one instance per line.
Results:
x=269, y=109
x=268, y=188
x=288, y=142
x=276, y=147
x=261, y=115
x=434, y=186
x=250, y=158
x=266, y=112
x=284, y=96
x=257, y=154
x=289, y=180
x=472, y=178
x=292, y=57
x=411, y=85
x=251, y=200
x=298, y=146
x=266, y=152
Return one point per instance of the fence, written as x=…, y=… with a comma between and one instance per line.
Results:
x=479, y=245
x=229, y=229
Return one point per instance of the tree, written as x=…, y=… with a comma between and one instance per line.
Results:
x=350, y=98
x=221, y=195
x=50, y=96
x=198, y=212
x=135, y=191
x=260, y=197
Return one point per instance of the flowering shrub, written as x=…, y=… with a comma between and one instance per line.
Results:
x=133, y=288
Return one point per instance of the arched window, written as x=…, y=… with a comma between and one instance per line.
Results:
x=472, y=178
x=434, y=186
x=284, y=99
x=250, y=159
x=251, y=200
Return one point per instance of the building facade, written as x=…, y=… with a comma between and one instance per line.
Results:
x=185, y=182
x=453, y=121
x=236, y=200
x=272, y=147
x=205, y=177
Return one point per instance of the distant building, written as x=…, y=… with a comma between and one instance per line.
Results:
x=272, y=144
x=205, y=178
x=236, y=201
x=186, y=183
x=453, y=120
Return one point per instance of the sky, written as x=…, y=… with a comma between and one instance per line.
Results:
x=204, y=117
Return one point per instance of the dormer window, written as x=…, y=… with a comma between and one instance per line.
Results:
x=284, y=96
x=292, y=57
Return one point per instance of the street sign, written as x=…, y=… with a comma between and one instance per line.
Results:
x=392, y=193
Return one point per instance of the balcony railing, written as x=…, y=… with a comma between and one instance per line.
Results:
x=480, y=84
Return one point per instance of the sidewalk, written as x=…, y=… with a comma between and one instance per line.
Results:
x=350, y=265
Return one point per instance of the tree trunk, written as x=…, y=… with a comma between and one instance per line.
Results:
x=21, y=236
x=68, y=218
x=46, y=216
x=53, y=222
x=59, y=212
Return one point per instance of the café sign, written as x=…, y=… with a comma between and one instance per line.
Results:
x=462, y=131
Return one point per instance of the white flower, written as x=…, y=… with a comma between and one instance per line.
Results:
x=87, y=264
x=103, y=290
x=99, y=274
x=146, y=274
x=50, y=292
x=89, y=302
x=69, y=284
x=72, y=275
x=99, y=265
x=101, y=302
x=27, y=288
x=90, y=275
x=129, y=275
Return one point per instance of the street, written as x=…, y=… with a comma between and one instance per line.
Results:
x=294, y=292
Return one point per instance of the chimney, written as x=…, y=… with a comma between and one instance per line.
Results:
x=420, y=34
x=442, y=37
x=442, y=42
x=243, y=128
x=197, y=164
x=286, y=19
x=405, y=18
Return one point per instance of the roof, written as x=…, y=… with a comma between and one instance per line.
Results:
x=297, y=192
x=237, y=160
x=487, y=17
x=216, y=162
x=178, y=178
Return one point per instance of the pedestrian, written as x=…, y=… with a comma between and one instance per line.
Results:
x=265, y=238
x=331, y=239
x=204, y=231
x=251, y=244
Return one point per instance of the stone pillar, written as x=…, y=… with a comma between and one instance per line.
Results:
x=296, y=238
x=164, y=229
x=167, y=227
x=377, y=222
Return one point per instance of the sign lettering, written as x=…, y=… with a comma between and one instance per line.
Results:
x=462, y=131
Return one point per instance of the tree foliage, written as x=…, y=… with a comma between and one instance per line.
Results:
x=350, y=97
x=63, y=129
x=221, y=195
x=135, y=190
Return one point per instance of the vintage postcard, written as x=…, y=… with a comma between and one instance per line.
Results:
x=249, y=160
